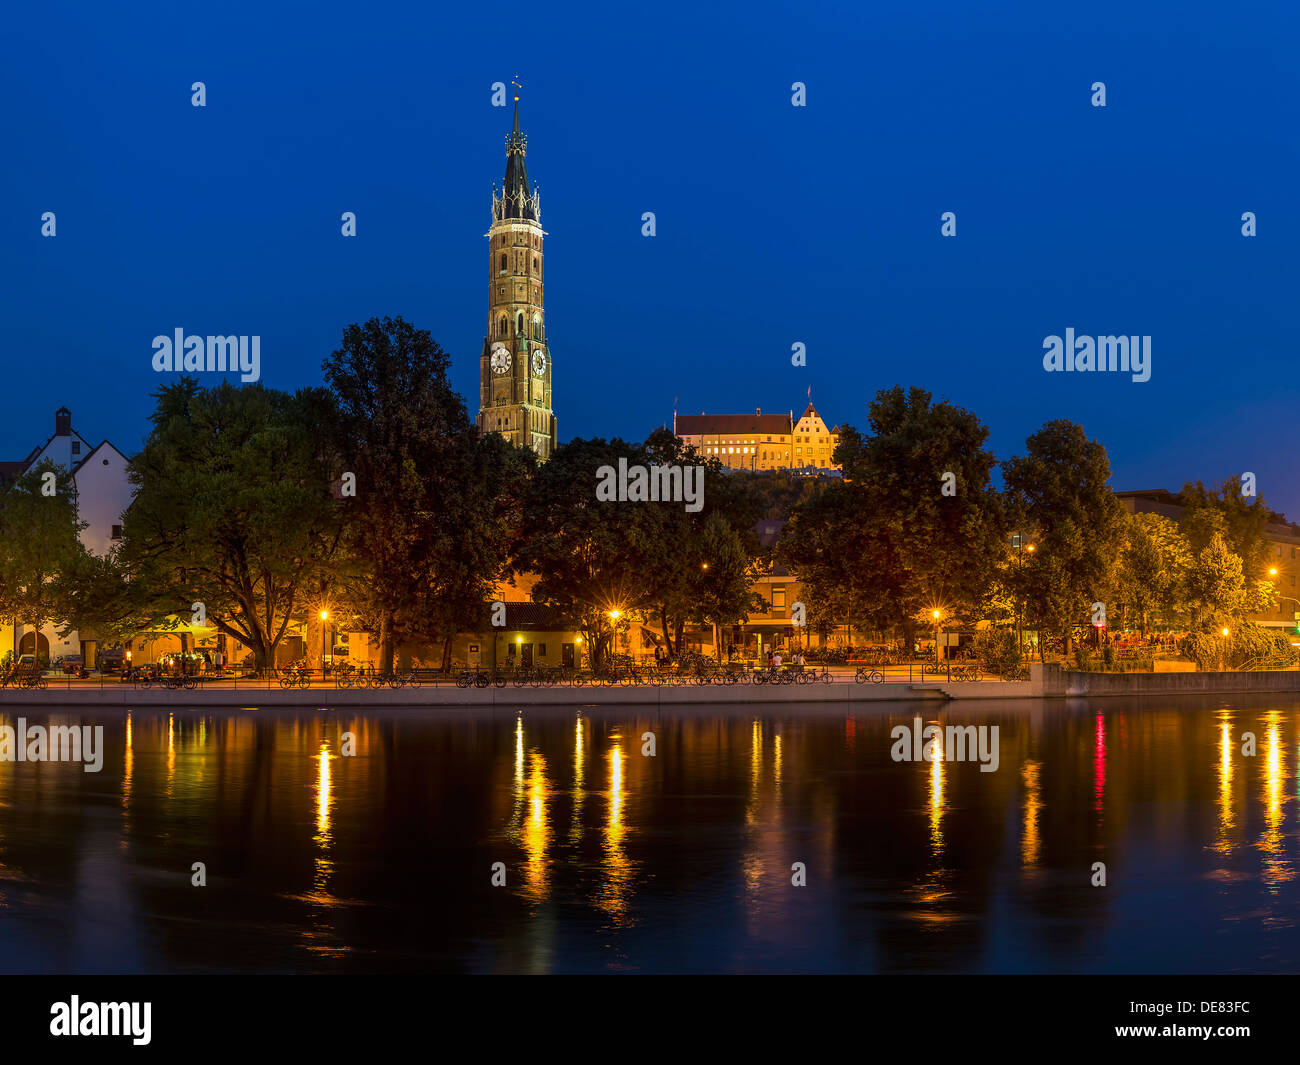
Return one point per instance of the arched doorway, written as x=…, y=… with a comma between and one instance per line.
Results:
x=25, y=645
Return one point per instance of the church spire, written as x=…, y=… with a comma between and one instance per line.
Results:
x=517, y=198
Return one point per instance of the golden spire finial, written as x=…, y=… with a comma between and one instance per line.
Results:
x=518, y=85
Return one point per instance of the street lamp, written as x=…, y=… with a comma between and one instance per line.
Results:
x=614, y=615
x=324, y=617
x=936, y=614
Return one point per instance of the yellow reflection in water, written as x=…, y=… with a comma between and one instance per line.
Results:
x=324, y=866
x=128, y=768
x=536, y=835
x=1276, y=869
x=936, y=795
x=579, y=776
x=755, y=770
x=1225, y=844
x=323, y=795
x=776, y=762
x=171, y=752
x=1029, y=841
x=615, y=892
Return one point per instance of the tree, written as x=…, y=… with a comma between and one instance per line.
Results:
x=915, y=526
x=232, y=510
x=1060, y=487
x=1153, y=569
x=698, y=565
x=1243, y=526
x=590, y=556
x=39, y=540
x=1217, y=591
x=432, y=525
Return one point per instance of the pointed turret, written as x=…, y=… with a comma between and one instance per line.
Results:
x=517, y=198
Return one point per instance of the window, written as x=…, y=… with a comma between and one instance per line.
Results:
x=778, y=598
x=502, y=327
x=76, y=450
x=503, y=262
x=116, y=534
x=520, y=326
x=541, y=650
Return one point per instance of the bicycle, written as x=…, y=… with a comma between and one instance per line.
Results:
x=870, y=676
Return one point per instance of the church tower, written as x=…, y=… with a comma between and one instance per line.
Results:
x=515, y=367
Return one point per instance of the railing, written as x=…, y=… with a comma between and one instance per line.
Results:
x=360, y=680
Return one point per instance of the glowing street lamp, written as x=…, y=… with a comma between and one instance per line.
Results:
x=324, y=617
x=614, y=615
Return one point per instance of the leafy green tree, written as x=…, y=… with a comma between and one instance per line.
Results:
x=232, y=510
x=916, y=525
x=1153, y=570
x=432, y=525
x=1060, y=487
x=1243, y=525
x=723, y=596
x=590, y=556
x=39, y=540
x=1217, y=590
x=698, y=565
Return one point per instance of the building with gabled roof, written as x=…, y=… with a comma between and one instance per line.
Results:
x=760, y=441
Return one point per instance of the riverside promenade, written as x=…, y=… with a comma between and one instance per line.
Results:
x=1048, y=681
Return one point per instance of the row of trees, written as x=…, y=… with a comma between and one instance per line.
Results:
x=918, y=525
x=377, y=496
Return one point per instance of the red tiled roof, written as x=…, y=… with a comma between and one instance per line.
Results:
x=733, y=424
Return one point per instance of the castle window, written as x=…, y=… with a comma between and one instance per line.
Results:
x=503, y=262
x=520, y=327
x=502, y=327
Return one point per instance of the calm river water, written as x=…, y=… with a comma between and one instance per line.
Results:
x=682, y=862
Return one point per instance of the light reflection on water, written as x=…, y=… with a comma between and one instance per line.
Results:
x=684, y=860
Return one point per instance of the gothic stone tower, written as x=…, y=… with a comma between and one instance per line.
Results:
x=515, y=367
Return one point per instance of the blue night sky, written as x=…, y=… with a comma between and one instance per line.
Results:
x=776, y=224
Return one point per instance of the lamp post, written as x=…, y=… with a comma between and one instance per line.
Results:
x=937, y=659
x=614, y=615
x=1020, y=545
x=324, y=617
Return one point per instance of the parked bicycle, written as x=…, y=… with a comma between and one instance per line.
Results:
x=869, y=676
x=297, y=675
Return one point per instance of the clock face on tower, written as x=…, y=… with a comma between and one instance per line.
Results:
x=500, y=360
x=539, y=363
